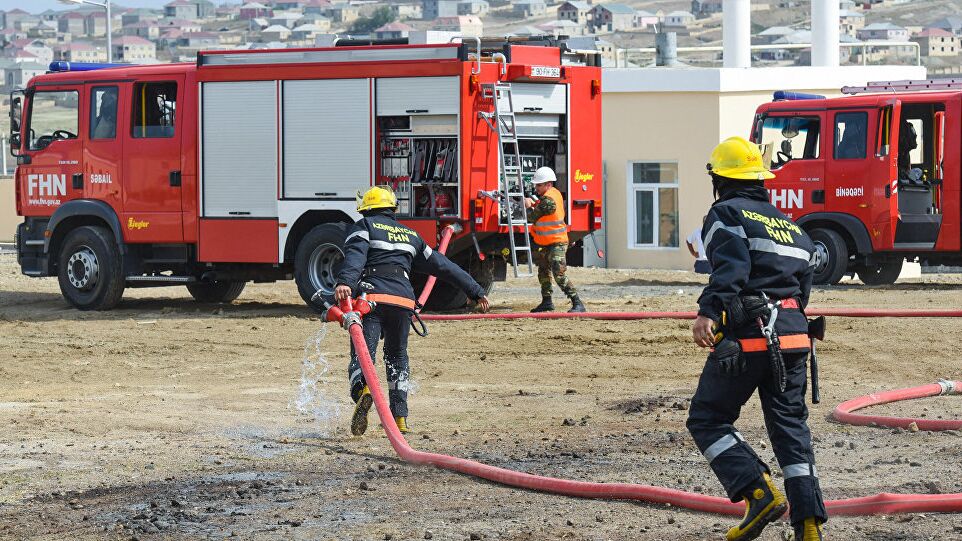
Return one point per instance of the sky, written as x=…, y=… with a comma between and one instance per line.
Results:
x=36, y=6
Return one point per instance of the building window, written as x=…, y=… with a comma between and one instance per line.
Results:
x=653, y=204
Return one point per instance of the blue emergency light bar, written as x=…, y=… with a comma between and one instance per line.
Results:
x=787, y=95
x=62, y=66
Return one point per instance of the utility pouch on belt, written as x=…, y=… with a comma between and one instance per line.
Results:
x=758, y=309
x=728, y=354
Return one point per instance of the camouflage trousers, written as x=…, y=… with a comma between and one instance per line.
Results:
x=551, y=262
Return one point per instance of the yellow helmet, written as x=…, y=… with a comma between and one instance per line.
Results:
x=378, y=197
x=737, y=158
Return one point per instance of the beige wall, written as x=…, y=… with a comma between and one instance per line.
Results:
x=680, y=127
x=677, y=127
x=8, y=211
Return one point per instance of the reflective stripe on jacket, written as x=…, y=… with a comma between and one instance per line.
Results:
x=550, y=228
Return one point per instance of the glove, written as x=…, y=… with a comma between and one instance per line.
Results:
x=744, y=310
x=728, y=355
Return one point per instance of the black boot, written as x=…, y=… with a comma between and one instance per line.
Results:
x=577, y=305
x=547, y=305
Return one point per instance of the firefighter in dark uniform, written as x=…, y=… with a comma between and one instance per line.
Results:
x=751, y=314
x=379, y=253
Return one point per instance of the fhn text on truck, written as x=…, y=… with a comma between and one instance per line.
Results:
x=244, y=166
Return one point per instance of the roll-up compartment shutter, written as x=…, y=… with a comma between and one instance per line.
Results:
x=539, y=98
x=404, y=96
x=239, y=149
x=327, y=138
x=538, y=126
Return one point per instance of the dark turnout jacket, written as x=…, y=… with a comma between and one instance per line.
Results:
x=379, y=255
x=753, y=249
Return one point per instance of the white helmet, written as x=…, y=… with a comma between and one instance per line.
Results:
x=542, y=175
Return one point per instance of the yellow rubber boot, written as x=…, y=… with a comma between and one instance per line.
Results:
x=809, y=530
x=402, y=424
x=363, y=405
x=763, y=504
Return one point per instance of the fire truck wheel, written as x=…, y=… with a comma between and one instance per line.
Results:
x=832, y=256
x=90, y=270
x=445, y=297
x=216, y=291
x=884, y=273
x=316, y=262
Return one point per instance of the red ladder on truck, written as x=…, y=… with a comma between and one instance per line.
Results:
x=511, y=184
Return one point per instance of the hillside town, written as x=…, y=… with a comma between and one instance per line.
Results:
x=30, y=41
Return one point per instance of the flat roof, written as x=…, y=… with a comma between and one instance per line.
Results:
x=750, y=79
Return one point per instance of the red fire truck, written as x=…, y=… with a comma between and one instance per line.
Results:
x=867, y=176
x=245, y=166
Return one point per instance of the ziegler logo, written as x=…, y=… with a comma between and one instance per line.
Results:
x=850, y=192
x=97, y=178
x=137, y=224
x=583, y=177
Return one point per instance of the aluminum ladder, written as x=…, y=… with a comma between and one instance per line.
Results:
x=511, y=184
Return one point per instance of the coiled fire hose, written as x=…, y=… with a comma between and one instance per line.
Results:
x=349, y=316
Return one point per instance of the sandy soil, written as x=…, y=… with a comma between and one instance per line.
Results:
x=170, y=419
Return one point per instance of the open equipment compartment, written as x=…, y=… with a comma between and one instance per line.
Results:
x=418, y=144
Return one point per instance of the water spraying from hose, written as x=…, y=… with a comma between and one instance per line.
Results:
x=314, y=399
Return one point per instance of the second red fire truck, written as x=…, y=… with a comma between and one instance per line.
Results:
x=873, y=177
x=245, y=166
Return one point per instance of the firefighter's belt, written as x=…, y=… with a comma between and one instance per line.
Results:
x=385, y=270
x=393, y=300
x=788, y=342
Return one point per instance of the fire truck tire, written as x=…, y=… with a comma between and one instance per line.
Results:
x=221, y=292
x=884, y=273
x=446, y=297
x=316, y=261
x=90, y=269
x=832, y=256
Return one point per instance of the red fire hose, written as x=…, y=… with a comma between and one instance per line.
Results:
x=878, y=504
x=844, y=412
x=631, y=316
x=446, y=235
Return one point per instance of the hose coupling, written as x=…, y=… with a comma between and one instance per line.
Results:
x=949, y=387
x=350, y=318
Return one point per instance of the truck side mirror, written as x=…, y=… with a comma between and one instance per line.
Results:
x=15, y=116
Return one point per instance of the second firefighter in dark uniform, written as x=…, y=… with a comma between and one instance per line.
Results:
x=762, y=265
x=379, y=254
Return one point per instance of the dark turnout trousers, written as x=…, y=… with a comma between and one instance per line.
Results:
x=715, y=408
x=394, y=323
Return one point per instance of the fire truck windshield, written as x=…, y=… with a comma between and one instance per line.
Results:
x=53, y=116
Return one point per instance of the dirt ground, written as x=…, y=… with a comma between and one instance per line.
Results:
x=169, y=419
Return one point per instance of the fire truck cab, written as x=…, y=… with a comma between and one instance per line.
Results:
x=867, y=175
x=245, y=166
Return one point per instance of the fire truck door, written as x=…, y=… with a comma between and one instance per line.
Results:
x=53, y=149
x=849, y=181
x=153, y=160
x=883, y=205
x=104, y=149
